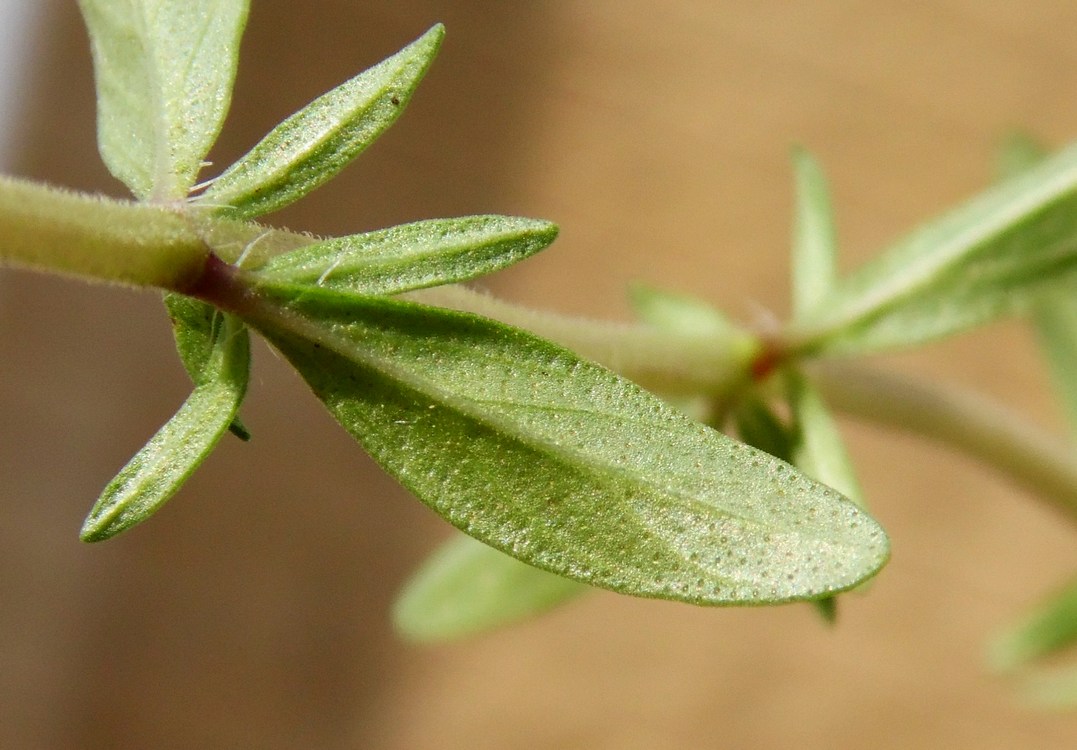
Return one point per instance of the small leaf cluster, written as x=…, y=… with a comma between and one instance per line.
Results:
x=518, y=442
x=562, y=474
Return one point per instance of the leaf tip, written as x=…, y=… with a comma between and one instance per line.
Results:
x=430, y=42
x=802, y=158
x=438, y=30
x=827, y=609
x=806, y=166
x=240, y=430
x=546, y=231
x=97, y=528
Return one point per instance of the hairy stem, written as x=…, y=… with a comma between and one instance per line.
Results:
x=982, y=429
x=96, y=238
x=669, y=363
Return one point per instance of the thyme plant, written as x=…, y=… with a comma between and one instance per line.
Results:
x=531, y=433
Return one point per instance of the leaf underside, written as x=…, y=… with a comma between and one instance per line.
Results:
x=814, y=265
x=318, y=141
x=194, y=329
x=991, y=257
x=758, y=426
x=412, y=256
x=164, y=71
x=566, y=466
x=161, y=467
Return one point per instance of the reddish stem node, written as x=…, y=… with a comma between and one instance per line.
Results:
x=221, y=285
x=771, y=356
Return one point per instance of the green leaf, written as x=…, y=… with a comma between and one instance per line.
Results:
x=318, y=141
x=1049, y=628
x=164, y=463
x=467, y=587
x=164, y=71
x=991, y=257
x=412, y=256
x=819, y=450
x=814, y=238
x=1054, y=315
x=827, y=608
x=760, y=427
x=194, y=326
x=562, y=464
x=679, y=313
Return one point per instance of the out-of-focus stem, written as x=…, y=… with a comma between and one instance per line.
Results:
x=981, y=428
x=671, y=364
x=98, y=239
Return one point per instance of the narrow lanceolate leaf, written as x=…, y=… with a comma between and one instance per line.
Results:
x=1054, y=315
x=312, y=145
x=814, y=264
x=679, y=312
x=991, y=257
x=1049, y=628
x=164, y=71
x=413, y=256
x=564, y=465
x=467, y=587
x=165, y=462
x=195, y=327
x=819, y=450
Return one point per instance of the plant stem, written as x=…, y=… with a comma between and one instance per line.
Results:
x=123, y=242
x=670, y=363
x=980, y=428
x=96, y=238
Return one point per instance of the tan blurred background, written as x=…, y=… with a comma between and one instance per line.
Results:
x=252, y=612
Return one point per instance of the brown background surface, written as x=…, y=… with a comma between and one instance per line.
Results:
x=252, y=612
